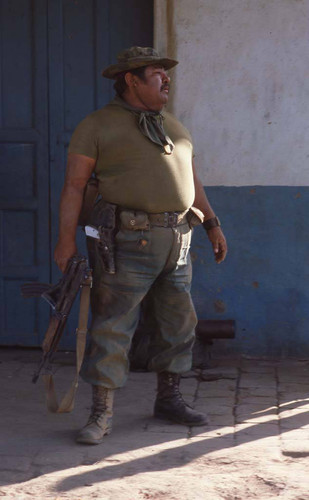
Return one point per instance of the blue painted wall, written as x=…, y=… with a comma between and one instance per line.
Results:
x=264, y=282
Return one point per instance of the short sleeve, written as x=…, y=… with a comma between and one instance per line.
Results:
x=84, y=139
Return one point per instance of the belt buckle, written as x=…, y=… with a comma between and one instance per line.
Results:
x=170, y=219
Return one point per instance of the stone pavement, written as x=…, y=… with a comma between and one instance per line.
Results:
x=256, y=446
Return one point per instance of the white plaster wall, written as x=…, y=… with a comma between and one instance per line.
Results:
x=242, y=86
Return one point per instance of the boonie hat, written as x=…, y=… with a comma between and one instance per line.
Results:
x=136, y=57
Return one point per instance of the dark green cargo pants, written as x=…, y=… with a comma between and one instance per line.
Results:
x=157, y=263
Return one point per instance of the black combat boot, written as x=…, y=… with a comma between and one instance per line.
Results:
x=170, y=405
x=100, y=421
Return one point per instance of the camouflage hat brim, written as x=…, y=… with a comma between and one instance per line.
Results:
x=138, y=62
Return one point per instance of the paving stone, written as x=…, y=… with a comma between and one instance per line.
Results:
x=257, y=391
x=259, y=381
x=162, y=426
x=286, y=412
x=122, y=424
x=292, y=420
x=8, y=477
x=292, y=398
x=258, y=366
x=256, y=419
x=259, y=450
x=256, y=409
x=260, y=430
x=295, y=434
x=58, y=458
x=210, y=443
x=231, y=371
x=218, y=384
x=298, y=405
x=213, y=408
x=258, y=441
x=8, y=373
x=213, y=431
x=16, y=463
x=125, y=407
x=209, y=402
x=219, y=388
x=295, y=448
x=221, y=419
x=295, y=364
x=223, y=372
x=266, y=401
x=120, y=448
x=213, y=393
x=295, y=378
x=294, y=388
x=10, y=365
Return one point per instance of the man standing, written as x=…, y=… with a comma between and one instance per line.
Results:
x=143, y=159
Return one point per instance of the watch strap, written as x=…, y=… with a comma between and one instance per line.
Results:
x=211, y=223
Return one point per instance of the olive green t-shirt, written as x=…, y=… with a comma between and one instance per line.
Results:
x=133, y=171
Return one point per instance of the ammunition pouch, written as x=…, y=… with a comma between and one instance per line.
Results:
x=135, y=220
x=195, y=217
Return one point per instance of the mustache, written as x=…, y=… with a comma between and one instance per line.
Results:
x=165, y=86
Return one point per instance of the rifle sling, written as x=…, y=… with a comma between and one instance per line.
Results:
x=52, y=328
x=67, y=403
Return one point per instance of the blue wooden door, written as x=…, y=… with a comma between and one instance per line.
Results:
x=24, y=186
x=52, y=55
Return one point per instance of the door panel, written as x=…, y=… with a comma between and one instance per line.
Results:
x=24, y=183
x=17, y=60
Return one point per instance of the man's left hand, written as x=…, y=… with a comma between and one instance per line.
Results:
x=217, y=239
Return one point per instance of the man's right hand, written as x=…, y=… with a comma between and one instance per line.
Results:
x=63, y=252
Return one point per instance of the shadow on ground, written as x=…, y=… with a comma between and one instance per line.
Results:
x=35, y=443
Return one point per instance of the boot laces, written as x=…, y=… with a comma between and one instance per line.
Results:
x=177, y=396
x=173, y=383
x=99, y=405
x=94, y=417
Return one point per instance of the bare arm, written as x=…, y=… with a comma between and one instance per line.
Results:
x=79, y=169
x=215, y=234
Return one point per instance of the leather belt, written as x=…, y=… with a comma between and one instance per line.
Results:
x=168, y=219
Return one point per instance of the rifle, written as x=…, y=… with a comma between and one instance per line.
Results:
x=61, y=298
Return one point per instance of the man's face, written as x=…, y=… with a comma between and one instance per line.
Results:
x=152, y=92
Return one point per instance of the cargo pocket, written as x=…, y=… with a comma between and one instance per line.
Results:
x=132, y=241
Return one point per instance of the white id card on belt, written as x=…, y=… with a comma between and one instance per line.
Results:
x=92, y=232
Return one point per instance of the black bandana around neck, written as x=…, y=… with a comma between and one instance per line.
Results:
x=150, y=124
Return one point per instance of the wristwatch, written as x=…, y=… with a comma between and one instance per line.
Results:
x=210, y=223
